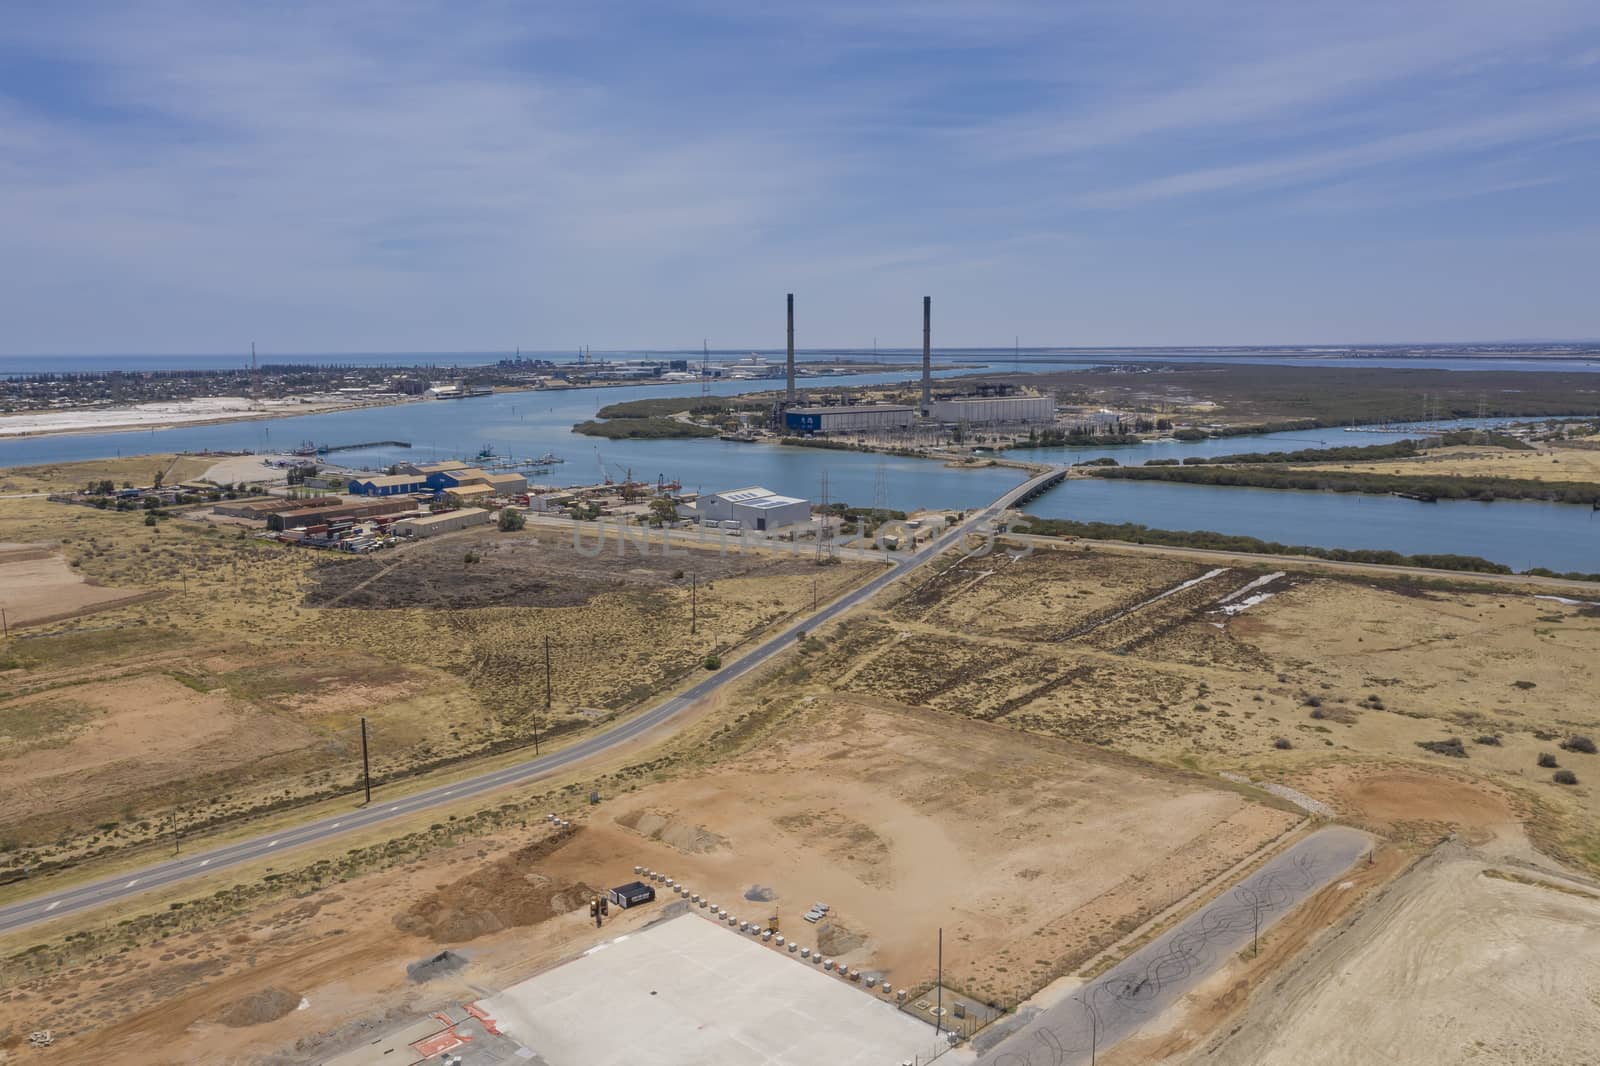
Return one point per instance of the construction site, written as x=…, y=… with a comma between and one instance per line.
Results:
x=1022, y=772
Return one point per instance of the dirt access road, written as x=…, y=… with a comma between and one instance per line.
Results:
x=96, y=893
x=1154, y=977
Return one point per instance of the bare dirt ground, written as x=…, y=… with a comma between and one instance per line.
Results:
x=246, y=470
x=1032, y=854
x=1462, y=960
x=536, y=569
x=37, y=585
x=1403, y=960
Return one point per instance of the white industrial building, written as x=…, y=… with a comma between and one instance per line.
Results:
x=858, y=419
x=995, y=410
x=753, y=508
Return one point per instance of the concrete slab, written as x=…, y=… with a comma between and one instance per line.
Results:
x=690, y=993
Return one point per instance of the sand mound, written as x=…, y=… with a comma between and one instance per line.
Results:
x=267, y=1005
x=835, y=939
x=673, y=831
x=501, y=895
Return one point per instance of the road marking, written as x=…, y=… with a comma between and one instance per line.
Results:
x=205, y=862
x=273, y=844
x=53, y=906
x=448, y=793
x=393, y=809
x=335, y=825
x=130, y=884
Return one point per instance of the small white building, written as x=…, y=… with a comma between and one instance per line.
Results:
x=753, y=508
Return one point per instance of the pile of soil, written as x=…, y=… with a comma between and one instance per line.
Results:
x=835, y=939
x=258, y=1008
x=506, y=893
x=673, y=831
x=440, y=965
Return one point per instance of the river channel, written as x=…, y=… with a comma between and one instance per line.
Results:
x=1519, y=534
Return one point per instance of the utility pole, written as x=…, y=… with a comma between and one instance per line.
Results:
x=1255, y=936
x=1094, y=1028
x=366, y=767
x=938, y=1009
x=546, y=694
x=173, y=817
x=694, y=601
x=813, y=594
x=3, y=623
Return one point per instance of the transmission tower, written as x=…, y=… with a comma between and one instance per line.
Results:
x=825, y=532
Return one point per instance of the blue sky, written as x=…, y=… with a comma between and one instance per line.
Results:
x=406, y=176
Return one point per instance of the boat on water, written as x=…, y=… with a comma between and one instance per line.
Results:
x=1419, y=497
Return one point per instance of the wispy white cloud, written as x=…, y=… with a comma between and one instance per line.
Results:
x=1551, y=117
x=423, y=175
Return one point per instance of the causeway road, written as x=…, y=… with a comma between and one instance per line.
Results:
x=166, y=874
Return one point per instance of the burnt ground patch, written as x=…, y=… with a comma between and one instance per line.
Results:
x=530, y=569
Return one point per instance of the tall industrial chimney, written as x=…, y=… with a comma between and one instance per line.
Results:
x=789, y=393
x=927, y=356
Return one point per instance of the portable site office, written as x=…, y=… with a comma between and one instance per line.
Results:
x=631, y=894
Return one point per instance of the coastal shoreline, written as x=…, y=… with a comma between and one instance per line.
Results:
x=184, y=423
x=221, y=418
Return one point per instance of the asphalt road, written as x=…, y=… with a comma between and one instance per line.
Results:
x=97, y=893
x=1137, y=990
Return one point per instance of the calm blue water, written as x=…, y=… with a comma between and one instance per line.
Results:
x=533, y=423
x=1519, y=534
x=1561, y=537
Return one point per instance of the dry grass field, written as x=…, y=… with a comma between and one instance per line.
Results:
x=1473, y=460
x=221, y=676
x=1270, y=673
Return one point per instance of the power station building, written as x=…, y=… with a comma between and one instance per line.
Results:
x=864, y=418
x=995, y=410
x=753, y=508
